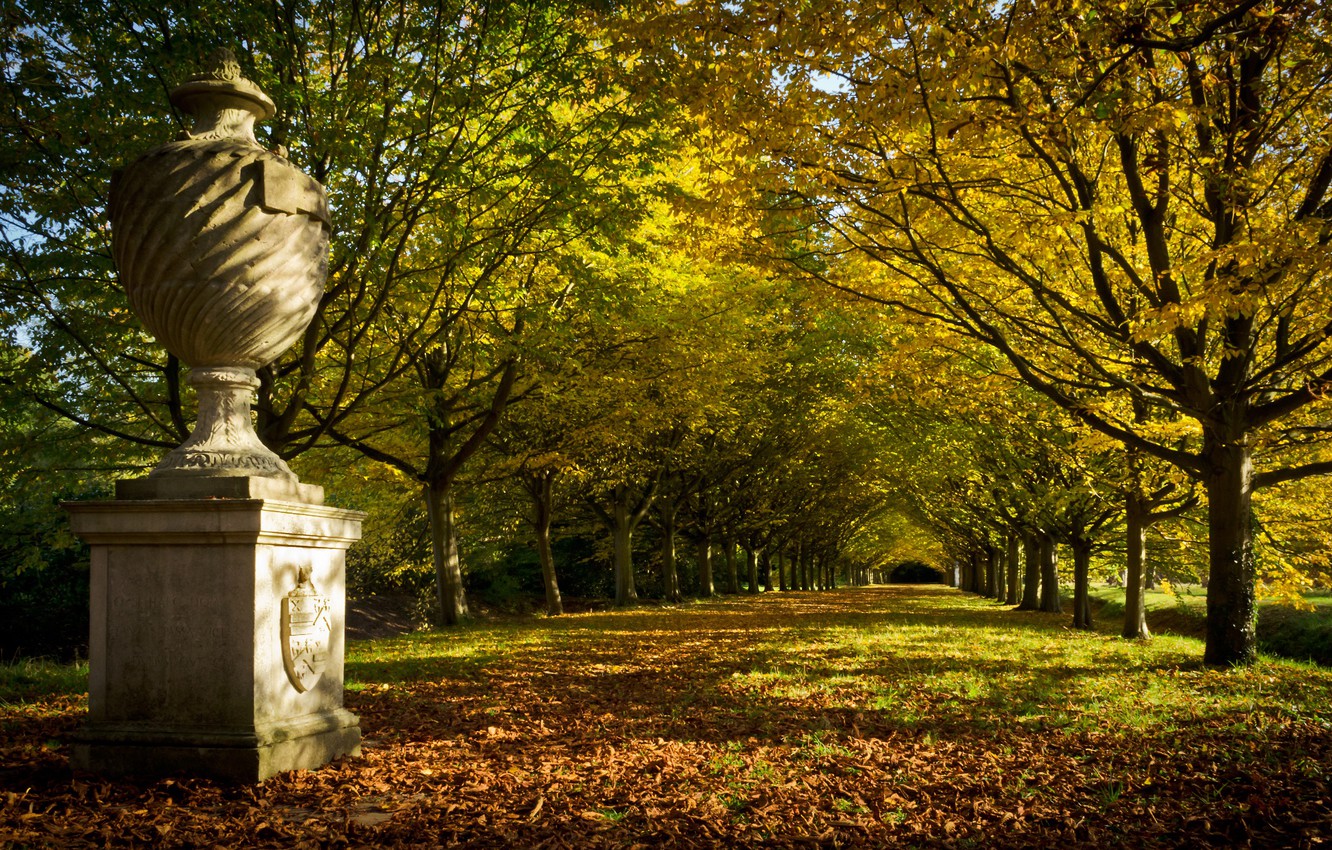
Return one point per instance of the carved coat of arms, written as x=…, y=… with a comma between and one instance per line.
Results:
x=305, y=633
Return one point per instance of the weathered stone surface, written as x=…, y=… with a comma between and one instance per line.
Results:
x=219, y=487
x=187, y=650
x=223, y=442
x=216, y=645
x=222, y=248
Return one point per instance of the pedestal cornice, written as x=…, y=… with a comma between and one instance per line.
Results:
x=216, y=521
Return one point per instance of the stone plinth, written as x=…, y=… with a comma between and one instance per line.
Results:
x=216, y=645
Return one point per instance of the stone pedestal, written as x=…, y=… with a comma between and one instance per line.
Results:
x=217, y=644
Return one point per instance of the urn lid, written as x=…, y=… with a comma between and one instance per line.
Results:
x=222, y=82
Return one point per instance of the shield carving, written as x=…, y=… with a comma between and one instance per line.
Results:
x=305, y=633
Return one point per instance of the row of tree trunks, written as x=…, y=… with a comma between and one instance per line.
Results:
x=800, y=571
x=1025, y=574
x=622, y=516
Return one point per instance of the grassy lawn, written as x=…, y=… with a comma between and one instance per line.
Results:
x=905, y=716
x=1284, y=631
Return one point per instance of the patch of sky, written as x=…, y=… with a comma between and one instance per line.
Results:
x=829, y=83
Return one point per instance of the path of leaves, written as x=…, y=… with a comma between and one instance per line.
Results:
x=771, y=722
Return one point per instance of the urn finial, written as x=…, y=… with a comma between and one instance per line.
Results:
x=223, y=103
x=222, y=65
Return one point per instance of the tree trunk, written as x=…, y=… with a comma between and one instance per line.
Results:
x=1014, y=571
x=670, y=576
x=1135, y=599
x=765, y=567
x=1231, y=609
x=705, y=584
x=781, y=571
x=1050, y=602
x=1000, y=575
x=1031, y=572
x=554, y=603
x=992, y=573
x=1082, y=616
x=751, y=568
x=622, y=532
x=541, y=489
x=444, y=546
x=732, y=573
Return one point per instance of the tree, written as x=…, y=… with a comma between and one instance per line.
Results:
x=459, y=144
x=1128, y=201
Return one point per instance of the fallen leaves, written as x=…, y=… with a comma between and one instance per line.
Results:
x=744, y=723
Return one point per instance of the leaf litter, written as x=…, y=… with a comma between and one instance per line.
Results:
x=910, y=717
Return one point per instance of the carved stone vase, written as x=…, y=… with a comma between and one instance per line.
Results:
x=222, y=247
x=216, y=641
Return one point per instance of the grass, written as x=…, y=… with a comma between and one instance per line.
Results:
x=34, y=679
x=865, y=717
x=1283, y=631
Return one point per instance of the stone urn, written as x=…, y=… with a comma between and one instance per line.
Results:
x=222, y=247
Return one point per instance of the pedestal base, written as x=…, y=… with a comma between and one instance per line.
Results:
x=216, y=640
x=298, y=744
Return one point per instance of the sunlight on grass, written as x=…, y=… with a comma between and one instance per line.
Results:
x=936, y=661
x=993, y=668
x=940, y=661
x=462, y=651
